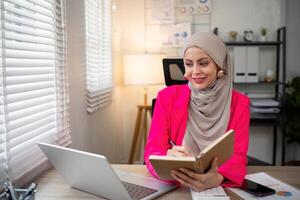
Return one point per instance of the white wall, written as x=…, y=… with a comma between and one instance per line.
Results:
x=109, y=131
x=226, y=15
x=96, y=132
x=292, y=17
x=77, y=81
x=293, y=40
x=238, y=15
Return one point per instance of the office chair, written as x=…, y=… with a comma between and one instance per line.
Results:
x=173, y=73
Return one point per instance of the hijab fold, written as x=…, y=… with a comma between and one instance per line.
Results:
x=209, y=109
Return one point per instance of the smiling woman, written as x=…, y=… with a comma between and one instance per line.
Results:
x=194, y=115
x=200, y=69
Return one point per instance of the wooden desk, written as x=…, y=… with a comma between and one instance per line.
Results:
x=51, y=185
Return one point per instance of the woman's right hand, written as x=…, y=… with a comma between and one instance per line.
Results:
x=178, y=151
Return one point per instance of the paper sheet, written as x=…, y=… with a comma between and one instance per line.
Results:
x=283, y=190
x=161, y=11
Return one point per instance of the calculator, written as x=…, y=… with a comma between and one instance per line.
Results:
x=216, y=193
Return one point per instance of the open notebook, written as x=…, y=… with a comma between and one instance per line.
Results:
x=222, y=148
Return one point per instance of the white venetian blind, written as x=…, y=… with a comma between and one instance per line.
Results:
x=98, y=53
x=3, y=157
x=33, y=84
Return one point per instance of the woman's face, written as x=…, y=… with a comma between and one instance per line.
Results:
x=200, y=69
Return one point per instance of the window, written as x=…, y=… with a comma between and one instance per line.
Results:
x=33, y=89
x=98, y=53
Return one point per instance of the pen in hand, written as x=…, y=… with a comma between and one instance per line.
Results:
x=176, y=151
x=172, y=143
x=181, y=151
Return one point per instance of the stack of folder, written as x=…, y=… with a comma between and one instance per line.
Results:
x=246, y=64
x=264, y=108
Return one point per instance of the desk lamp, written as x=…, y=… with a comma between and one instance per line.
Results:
x=145, y=70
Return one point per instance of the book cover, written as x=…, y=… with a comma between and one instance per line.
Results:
x=222, y=148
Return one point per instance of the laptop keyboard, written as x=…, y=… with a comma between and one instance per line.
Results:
x=136, y=191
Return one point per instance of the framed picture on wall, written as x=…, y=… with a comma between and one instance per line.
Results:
x=194, y=7
x=160, y=12
x=175, y=35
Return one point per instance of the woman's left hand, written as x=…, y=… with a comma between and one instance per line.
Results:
x=198, y=181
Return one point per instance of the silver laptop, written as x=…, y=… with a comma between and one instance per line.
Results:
x=93, y=174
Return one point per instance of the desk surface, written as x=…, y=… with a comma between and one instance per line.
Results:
x=52, y=186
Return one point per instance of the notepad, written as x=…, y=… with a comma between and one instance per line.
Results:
x=222, y=148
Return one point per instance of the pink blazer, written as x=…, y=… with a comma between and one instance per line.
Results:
x=169, y=122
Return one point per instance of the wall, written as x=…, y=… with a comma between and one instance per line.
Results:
x=77, y=82
x=109, y=131
x=239, y=15
x=292, y=17
x=293, y=40
x=96, y=132
x=226, y=15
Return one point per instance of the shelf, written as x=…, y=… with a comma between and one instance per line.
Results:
x=172, y=23
x=265, y=122
x=271, y=43
x=256, y=162
x=255, y=43
x=274, y=120
x=260, y=82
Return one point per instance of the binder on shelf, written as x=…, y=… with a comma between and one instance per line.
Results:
x=246, y=61
x=252, y=57
x=239, y=59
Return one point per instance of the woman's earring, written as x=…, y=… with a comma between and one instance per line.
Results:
x=185, y=76
x=220, y=73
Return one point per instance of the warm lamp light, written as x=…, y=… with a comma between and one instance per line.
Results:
x=142, y=69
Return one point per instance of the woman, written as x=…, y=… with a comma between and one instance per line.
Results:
x=195, y=114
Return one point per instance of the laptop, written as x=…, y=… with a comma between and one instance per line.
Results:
x=93, y=174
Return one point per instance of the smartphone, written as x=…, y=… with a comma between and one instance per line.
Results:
x=256, y=189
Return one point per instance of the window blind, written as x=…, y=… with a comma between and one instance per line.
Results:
x=98, y=53
x=3, y=155
x=34, y=95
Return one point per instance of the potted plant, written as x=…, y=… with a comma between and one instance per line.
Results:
x=293, y=110
x=232, y=36
x=263, y=34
